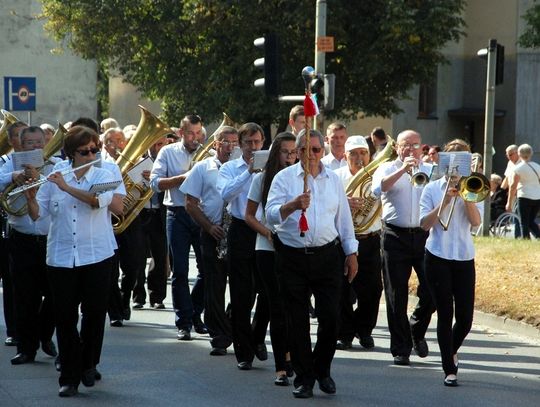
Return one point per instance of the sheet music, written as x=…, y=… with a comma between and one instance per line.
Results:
x=260, y=158
x=136, y=172
x=460, y=160
x=32, y=157
x=104, y=187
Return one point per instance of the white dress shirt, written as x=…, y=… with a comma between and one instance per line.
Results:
x=202, y=184
x=233, y=184
x=328, y=215
x=255, y=195
x=456, y=243
x=332, y=162
x=172, y=160
x=79, y=234
x=401, y=203
x=345, y=175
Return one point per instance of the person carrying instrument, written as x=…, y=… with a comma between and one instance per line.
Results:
x=367, y=285
x=168, y=173
x=449, y=262
x=403, y=242
x=27, y=245
x=205, y=205
x=79, y=257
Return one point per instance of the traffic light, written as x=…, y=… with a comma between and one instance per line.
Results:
x=269, y=63
x=499, y=70
x=323, y=87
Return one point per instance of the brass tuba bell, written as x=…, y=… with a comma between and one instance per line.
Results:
x=9, y=119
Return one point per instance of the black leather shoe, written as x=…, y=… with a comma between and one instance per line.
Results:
x=138, y=305
x=49, y=348
x=67, y=391
x=450, y=382
x=218, y=352
x=22, y=358
x=117, y=323
x=343, y=345
x=200, y=328
x=421, y=348
x=303, y=392
x=327, y=385
x=88, y=377
x=402, y=360
x=183, y=335
x=367, y=342
x=244, y=365
x=261, y=352
x=10, y=341
x=281, y=380
x=157, y=305
x=57, y=364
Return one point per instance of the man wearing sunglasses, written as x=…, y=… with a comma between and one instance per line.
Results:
x=34, y=318
x=314, y=261
x=403, y=244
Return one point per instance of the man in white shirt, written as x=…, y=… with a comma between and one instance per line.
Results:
x=336, y=136
x=403, y=242
x=367, y=285
x=313, y=262
x=297, y=119
x=513, y=159
x=168, y=173
x=205, y=206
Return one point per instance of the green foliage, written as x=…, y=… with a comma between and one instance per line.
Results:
x=531, y=36
x=197, y=55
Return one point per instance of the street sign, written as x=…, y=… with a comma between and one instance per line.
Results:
x=325, y=44
x=20, y=93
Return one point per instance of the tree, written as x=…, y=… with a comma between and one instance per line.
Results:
x=531, y=36
x=197, y=55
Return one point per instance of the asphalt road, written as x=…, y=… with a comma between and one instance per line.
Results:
x=144, y=365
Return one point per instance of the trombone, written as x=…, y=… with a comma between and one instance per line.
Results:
x=474, y=188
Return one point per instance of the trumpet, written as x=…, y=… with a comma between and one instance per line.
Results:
x=418, y=178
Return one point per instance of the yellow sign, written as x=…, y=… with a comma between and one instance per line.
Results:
x=325, y=44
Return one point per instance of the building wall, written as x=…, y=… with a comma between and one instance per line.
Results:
x=66, y=84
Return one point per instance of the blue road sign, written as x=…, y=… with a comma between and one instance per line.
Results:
x=20, y=93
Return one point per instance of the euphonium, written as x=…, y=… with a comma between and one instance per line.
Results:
x=360, y=186
x=14, y=204
x=149, y=130
x=9, y=119
x=204, y=150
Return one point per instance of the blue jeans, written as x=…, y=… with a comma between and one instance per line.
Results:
x=183, y=232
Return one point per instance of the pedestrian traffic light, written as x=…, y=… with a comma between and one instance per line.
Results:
x=269, y=63
x=322, y=86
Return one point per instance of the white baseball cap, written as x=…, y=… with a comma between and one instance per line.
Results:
x=354, y=142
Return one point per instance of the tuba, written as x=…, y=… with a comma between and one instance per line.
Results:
x=15, y=204
x=204, y=150
x=149, y=130
x=9, y=119
x=360, y=186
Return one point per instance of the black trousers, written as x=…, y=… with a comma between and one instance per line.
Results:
x=87, y=286
x=319, y=273
x=452, y=284
x=155, y=234
x=243, y=285
x=365, y=290
x=268, y=273
x=215, y=284
x=32, y=294
x=7, y=288
x=403, y=250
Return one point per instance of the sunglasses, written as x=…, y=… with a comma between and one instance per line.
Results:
x=314, y=150
x=84, y=153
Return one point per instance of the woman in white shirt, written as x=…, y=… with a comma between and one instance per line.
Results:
x=449, y=264
x=525, y=184
x=282, y=154
x=79, y=256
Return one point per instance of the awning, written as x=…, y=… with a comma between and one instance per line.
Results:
x=473, y=112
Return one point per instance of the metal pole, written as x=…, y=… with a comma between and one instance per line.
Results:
x=488, y=128
x=320, y=31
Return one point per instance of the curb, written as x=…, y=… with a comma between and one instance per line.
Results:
x=506, y=324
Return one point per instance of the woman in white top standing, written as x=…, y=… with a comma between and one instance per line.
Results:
x=525, y=184
x=79, y=256
x=282, y=154
x=449, y=263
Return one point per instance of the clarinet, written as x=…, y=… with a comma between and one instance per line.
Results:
x=226, y=219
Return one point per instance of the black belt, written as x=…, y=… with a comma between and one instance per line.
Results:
x=368, y=235
x=404, y=230
x=151, y=210
x=312, y=250
x=29, y=237
x=175, y=209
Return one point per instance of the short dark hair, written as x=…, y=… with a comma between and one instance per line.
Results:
x=249, y=129
x=190, y=119
x=379, y=133
x=78, y=136
x=87, y=122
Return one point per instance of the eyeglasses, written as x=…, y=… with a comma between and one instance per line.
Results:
x=229, y=143
x=84, y=153
x=414, y=146
x=314, y=150
x=288, y=153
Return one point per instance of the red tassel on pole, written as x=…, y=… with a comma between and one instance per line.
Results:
x=303, y=224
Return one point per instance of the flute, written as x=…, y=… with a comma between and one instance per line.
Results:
x=25, y=187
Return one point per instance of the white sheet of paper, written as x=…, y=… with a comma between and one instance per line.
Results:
x=32, y=157
x=136, y=172
x=260, y=158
